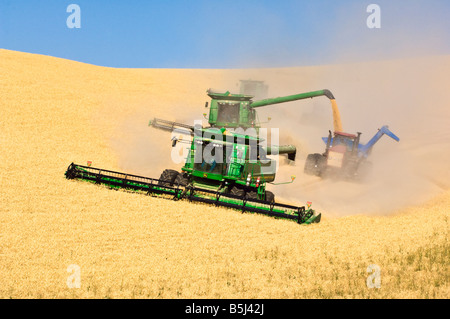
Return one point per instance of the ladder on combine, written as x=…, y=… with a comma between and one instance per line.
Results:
x=152, y=186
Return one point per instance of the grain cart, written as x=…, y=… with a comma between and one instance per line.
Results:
x=344, y=156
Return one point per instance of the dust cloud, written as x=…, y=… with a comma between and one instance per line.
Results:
x=392, y=76
x=410, y=96
x=145, y=150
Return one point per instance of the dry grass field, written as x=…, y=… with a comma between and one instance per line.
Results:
x=54, y=112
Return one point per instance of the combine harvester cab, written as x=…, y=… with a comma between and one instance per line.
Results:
x=344, y=156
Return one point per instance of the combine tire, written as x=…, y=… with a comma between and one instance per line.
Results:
x=167, y=177
x=237, y=191
x=314, y=164
x=181, y=180
x=270, y=197
x=251, y=195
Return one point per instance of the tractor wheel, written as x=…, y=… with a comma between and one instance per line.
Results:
x=270, y=197
x=237, y=191
x=314, y=164
x=310, y=164
x=167, y=177
x=181, y=180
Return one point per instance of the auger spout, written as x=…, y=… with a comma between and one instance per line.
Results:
x=337, y=123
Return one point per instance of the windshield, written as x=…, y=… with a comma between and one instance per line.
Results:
x=228, y=113
x=209, y=157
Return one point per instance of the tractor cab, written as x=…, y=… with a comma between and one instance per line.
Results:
x=339, y=147
x=342, y=142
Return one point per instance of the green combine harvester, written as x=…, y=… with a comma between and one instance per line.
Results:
x=229, y=178
x=223, y=167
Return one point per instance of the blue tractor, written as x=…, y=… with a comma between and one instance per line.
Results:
x=344, y=156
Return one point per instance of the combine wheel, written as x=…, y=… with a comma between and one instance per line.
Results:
x=270, y=197
x=251, y=195
x=237, y=191
x=181, y=180
x=167, y=177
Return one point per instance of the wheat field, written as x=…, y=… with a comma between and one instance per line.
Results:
x=55, y=111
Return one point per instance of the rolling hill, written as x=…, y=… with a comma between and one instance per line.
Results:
x=55, y=111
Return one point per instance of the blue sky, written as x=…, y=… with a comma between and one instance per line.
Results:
x=226, y=33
